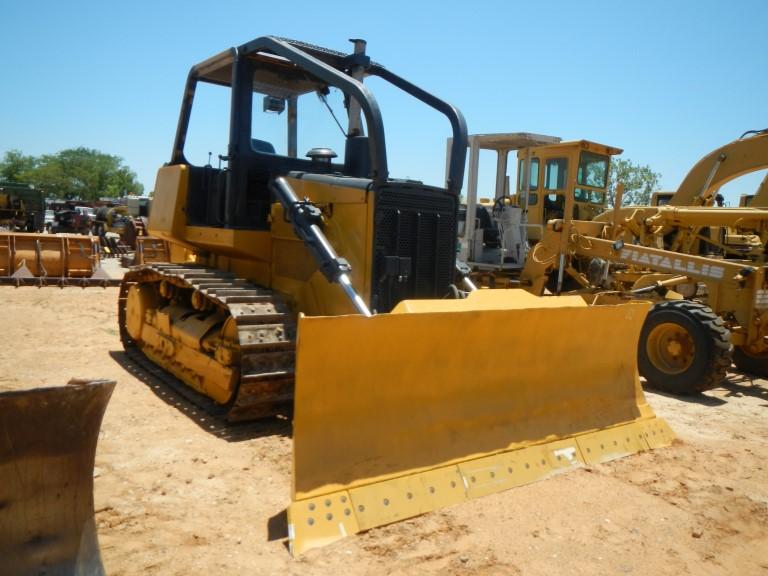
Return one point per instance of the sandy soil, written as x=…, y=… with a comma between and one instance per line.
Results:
x=176, y=493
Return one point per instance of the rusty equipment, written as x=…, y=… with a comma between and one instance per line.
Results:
x=51, y=259
x=47, y=447
x=150, y=249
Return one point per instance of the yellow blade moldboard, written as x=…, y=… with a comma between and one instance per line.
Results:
x=445, y=400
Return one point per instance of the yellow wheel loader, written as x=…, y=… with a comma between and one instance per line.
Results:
x=325, y=282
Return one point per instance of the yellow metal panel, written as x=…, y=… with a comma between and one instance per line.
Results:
x=246, y=244
x=168, y=217
x=656, y=433
x=347, y=225
x=492, y=474
x=400, y=498
x=489, y=300
x=428, y=390
x=326, y=193
x=612, y=443
x=320, y=521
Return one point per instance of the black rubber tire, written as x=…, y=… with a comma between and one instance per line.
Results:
x=711, y=341
x=755, y=364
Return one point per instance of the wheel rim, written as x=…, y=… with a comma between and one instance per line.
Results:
x=670, y=348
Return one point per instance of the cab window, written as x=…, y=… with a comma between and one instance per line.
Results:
x=593, y=170
x=533, y=182
x=556, y=173
x=591, y=196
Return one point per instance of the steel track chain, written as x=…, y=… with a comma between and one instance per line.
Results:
x=266, y=333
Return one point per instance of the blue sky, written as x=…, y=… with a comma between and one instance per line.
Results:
x=665, y=81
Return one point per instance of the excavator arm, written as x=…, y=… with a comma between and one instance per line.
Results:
x=761, y=196
x=742, y=156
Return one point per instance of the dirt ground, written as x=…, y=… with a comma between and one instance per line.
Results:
x=176, y=493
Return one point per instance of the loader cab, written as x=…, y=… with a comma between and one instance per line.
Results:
x=564, y=180
x=551, y=179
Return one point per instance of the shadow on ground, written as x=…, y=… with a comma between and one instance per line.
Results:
x=736, y=384
x=212, y=423
x=742, y=384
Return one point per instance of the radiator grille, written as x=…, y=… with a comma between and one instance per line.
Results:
x=417, y=223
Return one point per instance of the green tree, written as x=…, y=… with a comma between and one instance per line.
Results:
x=16, y=167
x=639, y=182
x=73, y=173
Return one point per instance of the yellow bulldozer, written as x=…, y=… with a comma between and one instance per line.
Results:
x=324, y=283
x=703, y=264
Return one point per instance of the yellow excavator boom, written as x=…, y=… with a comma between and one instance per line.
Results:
x=742, y=156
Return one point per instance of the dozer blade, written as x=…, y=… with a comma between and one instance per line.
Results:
x=445, y=400
x=47, y=447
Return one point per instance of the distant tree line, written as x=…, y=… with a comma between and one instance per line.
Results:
x=639, y=182
x=75, y=173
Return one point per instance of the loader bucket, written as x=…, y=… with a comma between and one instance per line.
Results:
x=43, y=259
x=47, y=447
x=445, y=400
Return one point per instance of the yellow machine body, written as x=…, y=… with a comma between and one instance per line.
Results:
x=274, y=258
x=330, y=283
x=418, y=418
x=420, y=399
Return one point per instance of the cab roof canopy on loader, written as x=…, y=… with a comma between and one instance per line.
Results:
x=396, y=410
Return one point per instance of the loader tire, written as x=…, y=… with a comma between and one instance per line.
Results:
x=750, y=362
x=684, y=348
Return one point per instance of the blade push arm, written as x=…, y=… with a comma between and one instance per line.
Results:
x=307, y=224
